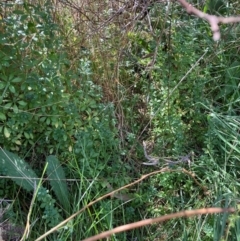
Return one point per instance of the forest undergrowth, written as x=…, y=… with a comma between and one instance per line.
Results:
x=82, y=85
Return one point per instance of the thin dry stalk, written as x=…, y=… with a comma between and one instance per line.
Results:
x=188, y=213
x=111, y=194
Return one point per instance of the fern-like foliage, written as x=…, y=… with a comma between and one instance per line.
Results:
x=18, y=170
x=58, y=181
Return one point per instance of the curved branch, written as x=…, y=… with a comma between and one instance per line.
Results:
x=187, y=213
x=213, y=20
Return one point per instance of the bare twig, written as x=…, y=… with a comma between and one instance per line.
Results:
x=188, y=213
x=213, y=20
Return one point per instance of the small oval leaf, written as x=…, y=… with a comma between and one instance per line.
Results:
x=12, y=88
x=16, y=80
x=6, y=132
x=21, y=102
x=15, y=108
x=26, y=135
x=18, y=142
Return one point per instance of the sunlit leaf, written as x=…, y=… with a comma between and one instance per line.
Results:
x=6, y=132
x=18, y=142
x=26, y=135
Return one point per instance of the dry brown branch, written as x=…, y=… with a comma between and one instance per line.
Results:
x=188, y=213
x=213, y=20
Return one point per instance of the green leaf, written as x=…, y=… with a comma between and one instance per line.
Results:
x=2, y=116
x=16, y=80
x=18, y=142
x=10, y=77
x=6, y=132
x=12, y=89
x=58, y=182
x=21, y=102
x=26, y=135
x=205, y=9
x=17, y=167
x=2, y=85
x=15, y=108
x=42, y=119
x=8, y=105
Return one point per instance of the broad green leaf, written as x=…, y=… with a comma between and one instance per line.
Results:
x=8, y=105
x=58, y=182
x=2, y=116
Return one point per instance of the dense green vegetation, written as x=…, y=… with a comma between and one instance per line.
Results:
x=82, y=86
